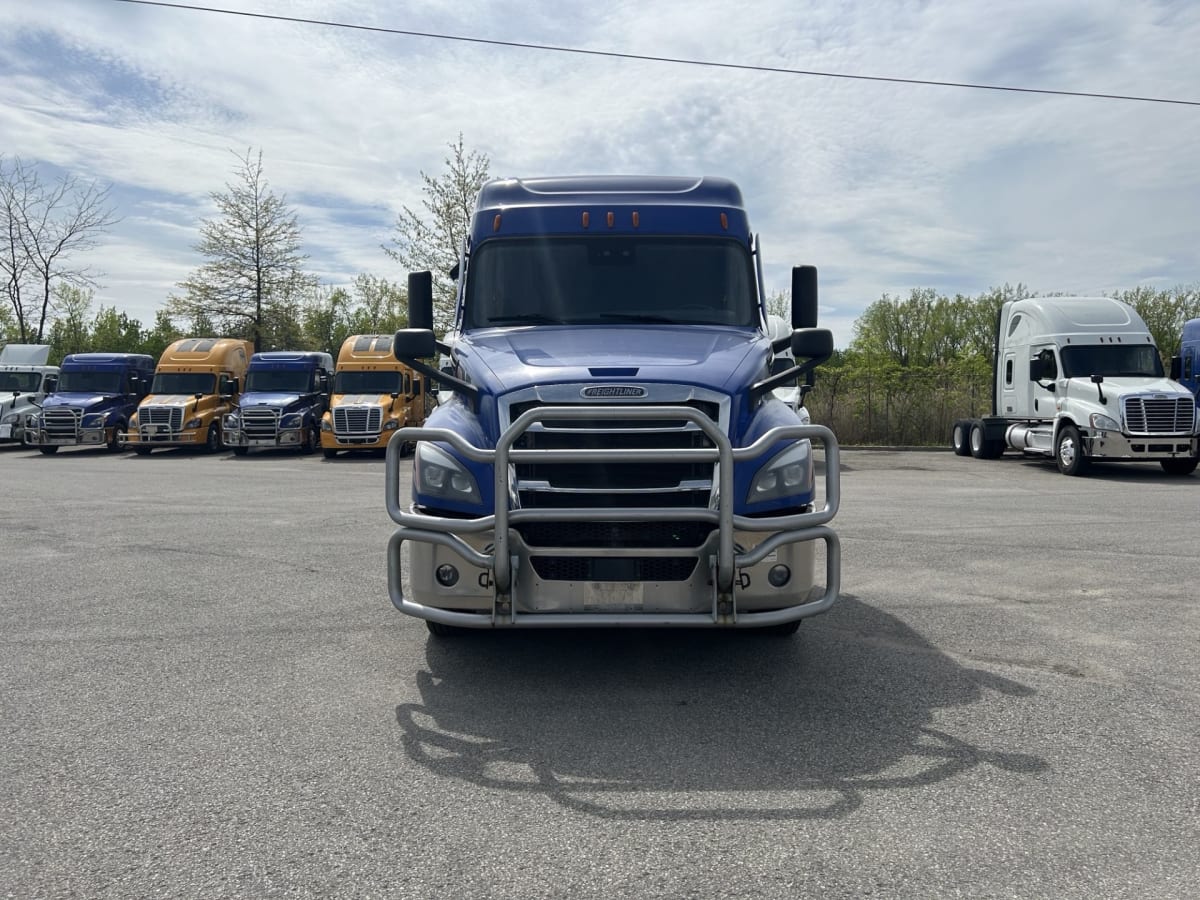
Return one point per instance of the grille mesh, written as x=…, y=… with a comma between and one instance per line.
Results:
x=1151, y=415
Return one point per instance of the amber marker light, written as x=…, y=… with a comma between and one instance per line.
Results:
x=610, y=218
x=724, y=221
x=587, y=218
x=496, y=222
x=636, y=218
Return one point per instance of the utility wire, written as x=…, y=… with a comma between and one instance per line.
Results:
x=613, y=54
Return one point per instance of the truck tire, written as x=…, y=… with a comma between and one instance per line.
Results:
x=330, y=453
x=142, y=451
x=787, y=629
x=1171, y=466
x=960, y=437
x=312, y=441
x=1069, y=453
x=212, y=440
x=116, y=445
x=49, y=451
x=442, y=630
x=240, y=451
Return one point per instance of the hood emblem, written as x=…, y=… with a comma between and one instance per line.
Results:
x=607, y=391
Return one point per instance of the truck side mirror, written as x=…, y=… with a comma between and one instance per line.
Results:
x=420, y=301
x=50, y=384
x=804, y=297
x=1176, y=368
x=414, y=343
x=812, y=343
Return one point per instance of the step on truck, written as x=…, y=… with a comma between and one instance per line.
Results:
x=374, y=395
x=1079, y=379
x=608, y=449
x=25, y=380
x=196, y=384
x=285, y=396
x=96, y=396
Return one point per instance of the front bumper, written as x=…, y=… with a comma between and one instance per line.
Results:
x=87, y=437
x=498, y=582
x=285, y=437
x=1114, y=446
x=162, y=436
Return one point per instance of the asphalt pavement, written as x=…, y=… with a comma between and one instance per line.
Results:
x=205, y=693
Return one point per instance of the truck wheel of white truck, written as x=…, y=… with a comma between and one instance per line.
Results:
x=1184, y=466
x=960, y=437
x=1069, y=452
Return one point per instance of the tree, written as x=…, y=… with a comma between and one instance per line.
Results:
x=69, y=332
x=45, y=227
x=252, y=280
x=433, y=240
x=163, y=334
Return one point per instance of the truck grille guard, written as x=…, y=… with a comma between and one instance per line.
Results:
x=723, y=565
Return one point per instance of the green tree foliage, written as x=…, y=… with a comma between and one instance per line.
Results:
x=433, y=239
x=1165, y=312
x=70, y=332
x=251, y=283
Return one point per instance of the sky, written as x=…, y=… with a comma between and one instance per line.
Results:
x=884, y=187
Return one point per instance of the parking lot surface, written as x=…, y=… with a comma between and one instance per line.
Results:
x=206, y=693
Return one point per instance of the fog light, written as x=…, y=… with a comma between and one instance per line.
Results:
x=446, y=575
x=779, y=576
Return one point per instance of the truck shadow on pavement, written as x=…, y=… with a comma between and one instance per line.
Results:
x=688, y=725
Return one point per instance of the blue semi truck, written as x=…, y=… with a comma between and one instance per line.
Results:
x=1185, y=368
x=92, y=403
x=608, y=448
x=286, y=394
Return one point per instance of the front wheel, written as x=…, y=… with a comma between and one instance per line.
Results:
x=312, y=441
x=442, y=630
x=116, y=444
x=141, y=451
x=330, y=453
x=786, y=629
x=240, y=451
x=1184, y=466
x=212, y=441
x=49, y=451
x=1069, y=453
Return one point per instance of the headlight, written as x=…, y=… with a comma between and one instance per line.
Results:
x=438, y=474
x=93, y=420
x=391, y=424
x=11, y=419
x=233, y=423
x=133, y=421
x=1102, y=422
x=292, y=420
x=325, y=425
x=193, y=423
x=788, y=473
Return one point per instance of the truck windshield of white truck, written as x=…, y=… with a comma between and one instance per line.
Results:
x=282, y=382
x=89, y=383
x=183, y=383
x=1111, y=361
x=369, y=382
x=19, y=382
x=611, y=280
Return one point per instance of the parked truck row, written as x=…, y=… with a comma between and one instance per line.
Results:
x=210, y=393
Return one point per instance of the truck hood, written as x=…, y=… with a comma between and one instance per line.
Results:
x=168, y=399
x=361, y=400
x=273, y=399
x=708, y=356
x=78, y=400
x=1122, y=386
x=8, y=402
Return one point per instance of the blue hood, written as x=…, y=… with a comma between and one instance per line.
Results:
x=283, y=400
x=88, y=401
x=715, y=357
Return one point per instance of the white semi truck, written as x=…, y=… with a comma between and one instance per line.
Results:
x=25, y=380
x=1080, y=379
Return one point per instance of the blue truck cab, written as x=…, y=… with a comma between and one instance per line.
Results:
x=286, y=394
x=92, y=403
x=608, y=448
x=1185, y=368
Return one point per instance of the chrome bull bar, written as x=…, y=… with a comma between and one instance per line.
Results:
x=723, y=565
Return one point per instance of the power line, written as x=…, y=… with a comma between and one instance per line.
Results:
x=614, y=54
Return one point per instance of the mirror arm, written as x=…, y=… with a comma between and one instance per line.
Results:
x=455, y=384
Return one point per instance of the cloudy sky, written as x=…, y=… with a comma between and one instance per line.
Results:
x=885, y=187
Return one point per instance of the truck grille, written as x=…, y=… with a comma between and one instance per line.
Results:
x=622, y=485
x=622, y=568
x=260, y=422
x=61, y=422
x=358, y=419
x=1151, y=415
x=171, y=416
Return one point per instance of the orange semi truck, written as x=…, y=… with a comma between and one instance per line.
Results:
x=373, y=395
x=196, y=383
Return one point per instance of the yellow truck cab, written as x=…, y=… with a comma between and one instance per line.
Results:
x=373, y=395
x=196, y=383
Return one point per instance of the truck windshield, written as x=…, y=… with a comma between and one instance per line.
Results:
x=22, y=382
x=90, y=382
x=283, y=381
x=1111, y=360
x=603, y=280
x=377, y=381
x=183, y=383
